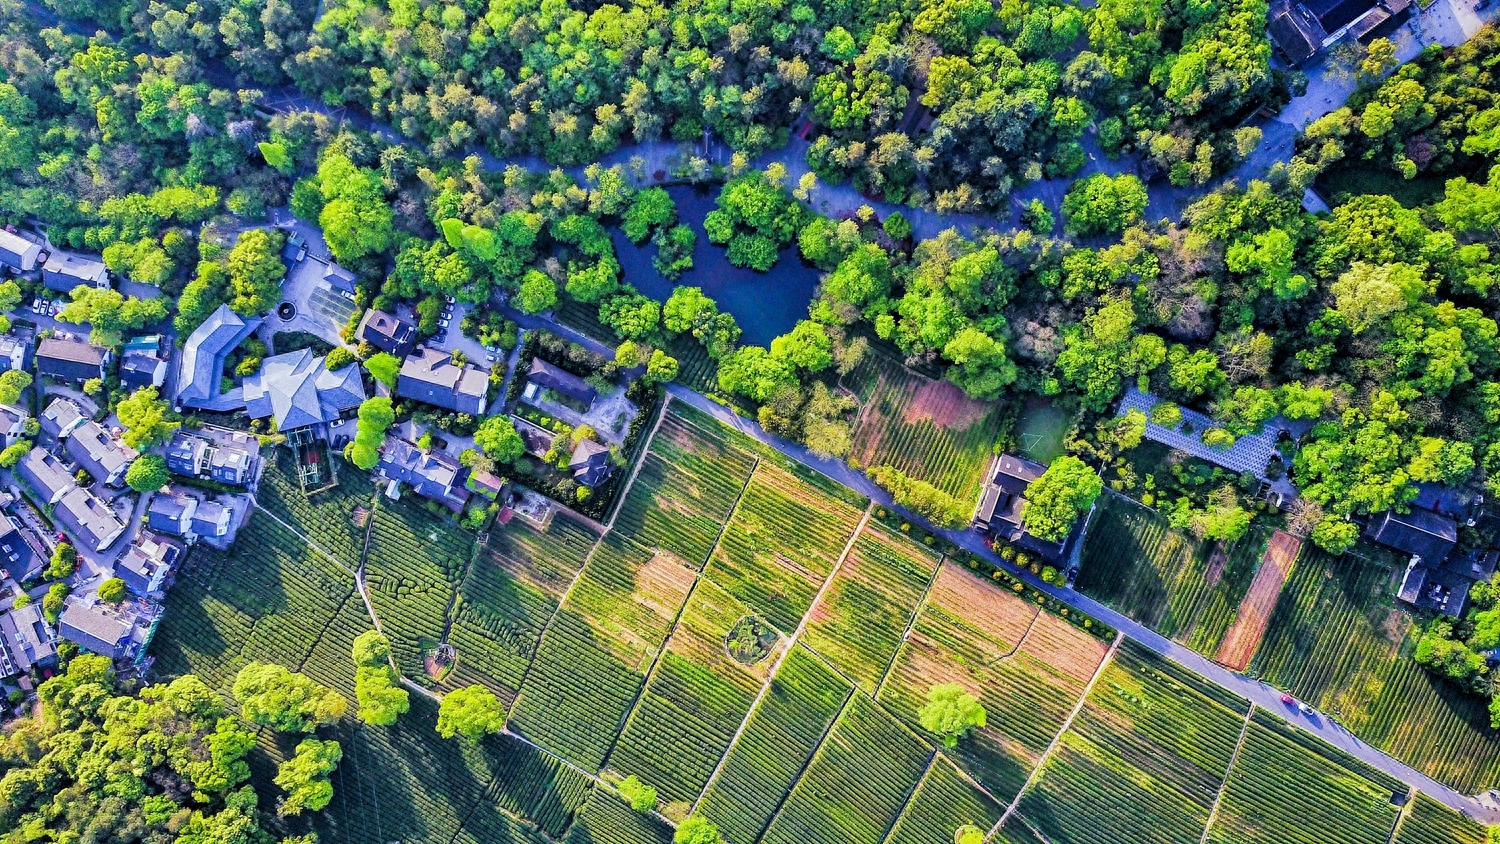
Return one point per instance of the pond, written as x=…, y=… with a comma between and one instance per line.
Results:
x=765, y=305
x=1041, y=430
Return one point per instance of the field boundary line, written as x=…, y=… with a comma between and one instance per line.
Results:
x=556, y=611
x=1402, y=815
x=636, y=469
x=1234, y=759
x=1041, y=763
x=911, y=624
x=1020, y=643
x=297, y=533
x=906, y=804
x=791, y=644
x=733, y=510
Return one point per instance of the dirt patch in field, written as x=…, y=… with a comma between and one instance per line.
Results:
x=1064, y=648
x=1243, y=637
x=944, y=403
x=1216, y=564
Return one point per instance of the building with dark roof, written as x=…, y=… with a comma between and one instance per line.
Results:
x=546, y=376
x=101, y=455
x=1420, y=533
x=589, y=463
x=18, y=556
x=118, y=632
x=71, y=360
x=60, y=419
x=234, y=462
x=536, y=439
x=88, y=520
x=203, y=356
x=142, y=369
x=1003, y=501
x=187, y=454
x=17, y=252
x=65, y=271
x=298, y=391
x=26, y=640
x=13, y=352
x=46, y=475
x=430, y=377
x=211, y=519
x=387, y=333
x=146, y=564
x=12, y=424
x=430, y=474
x=171, y=513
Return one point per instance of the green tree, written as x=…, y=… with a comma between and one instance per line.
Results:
x=355, y=218
x=272, y=696
x=143, y=415
x=371, y=649
x=1101, y=204
x=641, y=797
x=13, y=453
x=12, y=383
x=52, y=602
x=375, y=418
x=1055, y=500
x=255, y=272
x=304, y=777
x=537, y=293
x=385, y=368
x=381, y=699
x=651, y=210
x=661, y=367
x=148, y=473
x=112, y=591
x=950, y=713
x=338, y=358
x=697, y=830
x=807, y=346
x=498, y=439
x=64, y=561
x=471, y=712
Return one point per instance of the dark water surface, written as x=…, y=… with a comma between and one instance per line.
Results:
x=765, y=304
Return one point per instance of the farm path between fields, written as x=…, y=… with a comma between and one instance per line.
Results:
x=1262, y=695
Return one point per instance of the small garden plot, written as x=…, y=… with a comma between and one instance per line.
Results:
x=1179, y=586
x=856, y=783
x=415, y=561
x=1142, y=762
x=1287, y=787
x=1027, y=667
x=862, y=617
x=1338, y=640
x=594, y=657
x=326, y=518
x=945, y=802
x=607, y=820
x=687, y=485
x=1244, y=636
x=926, y=428
x=1430, y=822
x=693, y=704
x=778, y=740
x=269, y=597
x=781, y=544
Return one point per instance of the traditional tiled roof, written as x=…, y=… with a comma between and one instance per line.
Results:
x=203, y=360
x=297, y=390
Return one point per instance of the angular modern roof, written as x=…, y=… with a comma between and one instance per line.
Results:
x=431, y=473
x=10, y=415
x=556, y=378
x=297, y=390
x=203, y=358
x=64, y=271
x=206, y=518
x=28, y=638
x=184, y=452
x=168, y=511
x=590, y=462
x=17, y=251
x=16, y=555
x=387, y=333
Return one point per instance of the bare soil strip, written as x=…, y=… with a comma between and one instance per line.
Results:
x=1244, y=636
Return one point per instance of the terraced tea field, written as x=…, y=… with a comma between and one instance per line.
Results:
x=926, y=428
x=945, y=801
x=1169, y=581
x=1429, y=822
x=780, y=545
x=1027, y=667
x=1338, y=640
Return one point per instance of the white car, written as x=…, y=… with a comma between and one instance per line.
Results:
x=443, y=323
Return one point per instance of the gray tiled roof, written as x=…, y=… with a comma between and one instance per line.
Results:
x=28, y=638
x=297, y=390
x=88, y=519
x=60, y=418
x=1250, y=453
x=100, y=454
x=429, y=376
x=45, y=474
x=97, y=628
x=431, y=474
x=204, y=353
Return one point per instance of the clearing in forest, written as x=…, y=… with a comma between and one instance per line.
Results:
x=929, y=429
x=1180, y=586
x=1254, y=614
x=1027, y=667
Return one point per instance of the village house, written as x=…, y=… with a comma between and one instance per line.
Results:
x=1003, y=500
x=146, y=564
x=71, y=360
x=65, y=271
x=431, y=377
x=21, y=555
x=171, y=513
x=230, y=460
x=47, y=477
x=298, y=391
x=12, y=424
x=13, y=352
x=589, y=463
x=17, y=253
x=387, y=333
x=543, y=376
x=120, y=632
x=26, y=640
x=88, y=520
x=201, y=377
x=430, y=474
x=100, y=454
x=60, y=419
x=211, y=519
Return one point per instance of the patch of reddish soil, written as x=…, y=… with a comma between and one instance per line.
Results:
x=1243, y=637
x=945, y=404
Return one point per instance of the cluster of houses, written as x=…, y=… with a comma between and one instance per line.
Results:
x=1303, y=29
